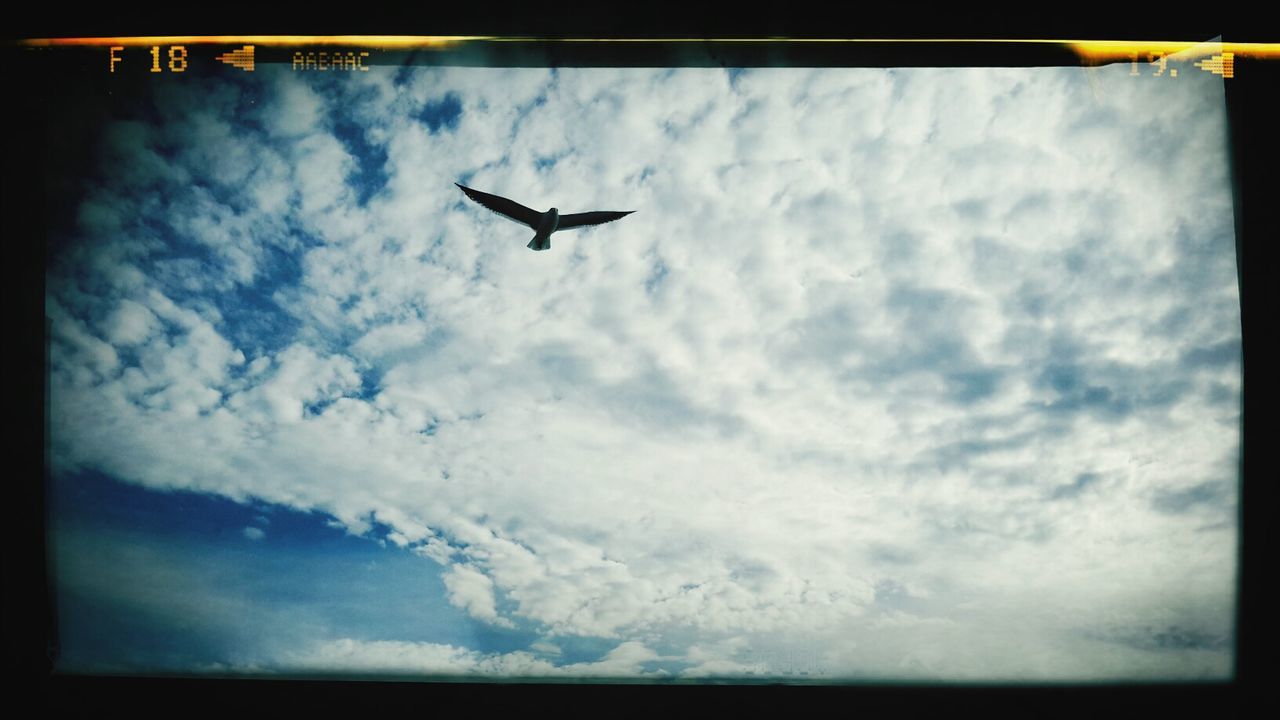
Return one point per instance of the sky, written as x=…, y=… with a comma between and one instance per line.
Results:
x=926, y=374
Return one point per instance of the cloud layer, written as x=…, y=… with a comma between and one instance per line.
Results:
x=928, y=373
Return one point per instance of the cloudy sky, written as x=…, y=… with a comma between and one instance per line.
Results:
x=893, y=374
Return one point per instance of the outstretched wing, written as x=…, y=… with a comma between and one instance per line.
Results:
x=591, y=218
x=505, y=207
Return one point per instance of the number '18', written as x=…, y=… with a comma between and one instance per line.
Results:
x=177, y=59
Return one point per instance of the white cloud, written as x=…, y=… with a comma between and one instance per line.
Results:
x=863, y=328
x=391, y=657
x=301, y=377
x=297, y=111
x=385, y=339
x=254, y=533
x=472, y=590
x=131, y=324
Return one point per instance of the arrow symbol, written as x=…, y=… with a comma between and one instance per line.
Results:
x=1223, y=65
x=242, y=58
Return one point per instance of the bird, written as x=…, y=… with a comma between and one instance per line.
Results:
x=543, y=223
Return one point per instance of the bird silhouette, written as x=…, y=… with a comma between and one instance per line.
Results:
x=543, y=223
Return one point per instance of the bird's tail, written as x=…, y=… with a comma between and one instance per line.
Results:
x=535, y=245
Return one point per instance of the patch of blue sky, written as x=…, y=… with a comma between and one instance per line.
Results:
x=318, y=407
x=99, y=633
x=304, y=579
x=971, y=386
x=404, y=75
x=1220, y=394
x=959, y=454
x=526, y=111
x=656, y=276
x=370, y=383
x=645, y=173
x=1075, y=488
x=234, y=100
x=442, y=113
x=1218, y=493
x=252, y=317
x=1112, y=391
x=174, y=257
x=1217, y=355
x=577, y=649
x=371, y=175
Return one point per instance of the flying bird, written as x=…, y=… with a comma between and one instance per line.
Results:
x=543, y=223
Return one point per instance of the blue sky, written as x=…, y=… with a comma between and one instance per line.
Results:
x=893, y=374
